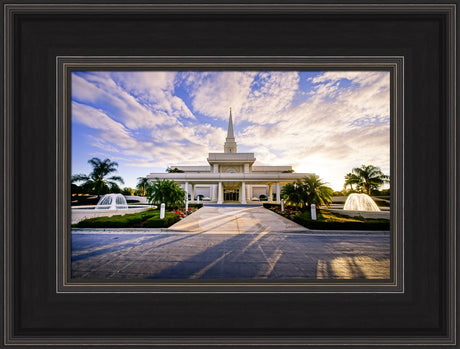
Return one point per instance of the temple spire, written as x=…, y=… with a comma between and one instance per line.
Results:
x=230, y=144
x=230, y=127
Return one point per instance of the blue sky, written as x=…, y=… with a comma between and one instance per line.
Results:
x=318, y=122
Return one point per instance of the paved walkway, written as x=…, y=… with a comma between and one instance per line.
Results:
x=236, y=220
x=228, y=243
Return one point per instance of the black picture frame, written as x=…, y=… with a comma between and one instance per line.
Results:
x=37, y=33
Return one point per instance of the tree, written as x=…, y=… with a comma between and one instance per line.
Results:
x=167, y=192
x=142, y=183
x=367, y=178
x=127, y=191
x=292, y=195
x=174, y=170
x=307, y=191
x=96, y=181
x=351, y=179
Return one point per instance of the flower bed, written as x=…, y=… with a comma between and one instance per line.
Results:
x=327, y=220
x=184, y=213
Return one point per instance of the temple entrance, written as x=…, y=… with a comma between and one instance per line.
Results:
x=231, y=194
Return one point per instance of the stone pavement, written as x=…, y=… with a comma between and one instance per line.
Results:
x=236, y=219
x=228, y=243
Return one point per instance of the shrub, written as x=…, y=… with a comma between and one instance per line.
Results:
x=102, y=222
x=272, y=206
x=334, y=221
x=154, y=222
x=170, y=220
x=350, y=225
x=263, y=197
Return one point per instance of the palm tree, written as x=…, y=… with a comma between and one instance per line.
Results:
x=367, y=178
x=291, y=194
x=167, y=192
x=96, y=182
x=316, y=192
x=142, y=183
x=351, y=179
x=307, y=191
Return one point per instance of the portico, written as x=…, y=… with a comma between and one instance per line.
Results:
x=232, y=176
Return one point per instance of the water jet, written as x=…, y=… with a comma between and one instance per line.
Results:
x=360, y=202
x=112, y=202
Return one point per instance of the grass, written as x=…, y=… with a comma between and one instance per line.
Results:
x=327, y=220
x=146, y=219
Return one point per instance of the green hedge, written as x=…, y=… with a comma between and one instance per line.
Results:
x=195, y=205
x=145, y=219
x=273, y=205
x=161, y=223
x=327, y=225
x=327, y=220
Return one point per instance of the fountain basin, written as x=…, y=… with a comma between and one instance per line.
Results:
x=112, y=202
x=365, y=214
x=360, y=202
x=108, y=205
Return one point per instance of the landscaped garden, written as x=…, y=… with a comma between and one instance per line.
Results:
x=327, y=220
x=159, y=192
x=146, y=219
x=302, y=194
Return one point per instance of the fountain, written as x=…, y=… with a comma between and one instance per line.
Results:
x=112, y=202
x=360, y=202
x=108, y=205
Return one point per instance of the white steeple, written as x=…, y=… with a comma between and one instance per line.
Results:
x=230, y=144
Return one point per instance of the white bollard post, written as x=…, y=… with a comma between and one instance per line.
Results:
x=186, y=205
x=282, y=205
x=162, y=211
x=198, y=199
x=313, y=212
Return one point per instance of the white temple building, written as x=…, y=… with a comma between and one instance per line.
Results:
x=231, y=177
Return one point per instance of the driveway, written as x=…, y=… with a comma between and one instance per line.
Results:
x=228, y=243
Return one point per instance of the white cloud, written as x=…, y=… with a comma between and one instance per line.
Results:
x=257, y=97
x=335, y=129
x=146, y=119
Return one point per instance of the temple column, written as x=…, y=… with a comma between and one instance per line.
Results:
x=270, y=192
x=186, y=191
x=243, y=193
x=219, y=194
x=213, y=192
x=278, y=194
x=193, y=193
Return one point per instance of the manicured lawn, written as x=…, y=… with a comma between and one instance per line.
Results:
x=327, y=220
x=146, y=219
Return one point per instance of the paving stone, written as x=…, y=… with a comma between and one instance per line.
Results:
x=263, y=246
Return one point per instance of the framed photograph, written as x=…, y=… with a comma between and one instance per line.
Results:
x=207, y=174
x=239, y=198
